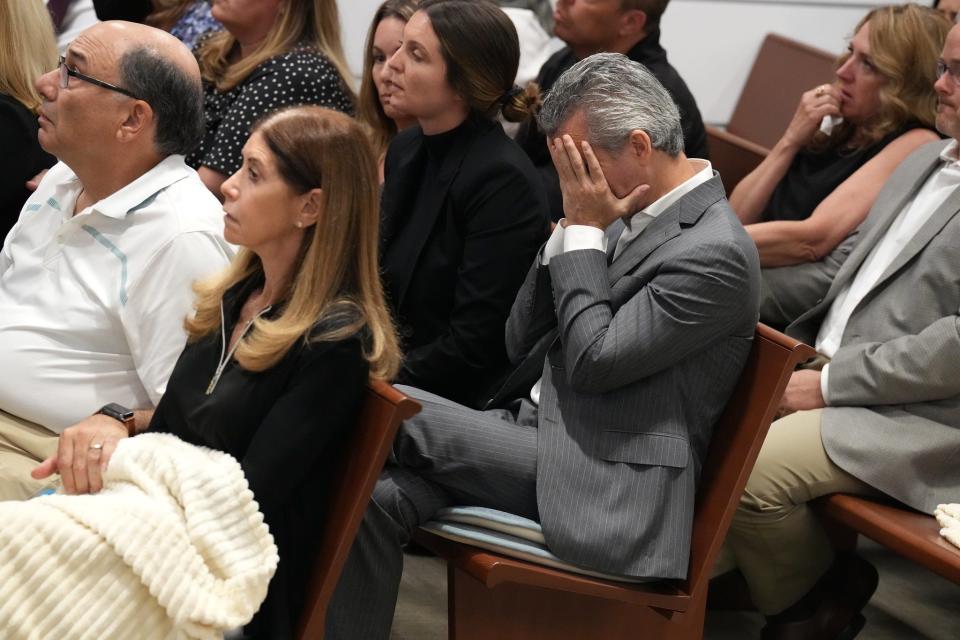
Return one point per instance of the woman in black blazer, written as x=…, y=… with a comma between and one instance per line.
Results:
x=464, y=212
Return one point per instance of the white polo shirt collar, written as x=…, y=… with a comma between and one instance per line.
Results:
x=135, y=195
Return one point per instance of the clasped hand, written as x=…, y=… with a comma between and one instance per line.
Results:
x=803, y=393
x=83, y=452
x=587, y=197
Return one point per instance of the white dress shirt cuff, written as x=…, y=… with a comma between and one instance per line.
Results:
x=580, y=236
x=824, y=377
x=554, y=245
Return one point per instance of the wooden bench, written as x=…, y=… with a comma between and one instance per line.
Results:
x=909, y=533
x=384, y=408
x=494, y=596
x=734, y=157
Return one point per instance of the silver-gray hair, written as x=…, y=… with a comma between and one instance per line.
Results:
x=617, y=96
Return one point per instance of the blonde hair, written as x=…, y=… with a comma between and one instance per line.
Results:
x=166, y=13
x=336, y=290
x=369, y=110
x=312, y=22
x=28, y=49
x=905, y=43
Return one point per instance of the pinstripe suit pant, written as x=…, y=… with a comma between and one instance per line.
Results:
x=445, y=455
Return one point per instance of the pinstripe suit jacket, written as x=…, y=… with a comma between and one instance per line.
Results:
x=894, y=383
x=637, y=359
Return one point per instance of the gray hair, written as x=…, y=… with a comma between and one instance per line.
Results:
x=175, y=97
x=617, y=96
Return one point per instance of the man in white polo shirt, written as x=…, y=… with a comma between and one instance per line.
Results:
x=95, y=278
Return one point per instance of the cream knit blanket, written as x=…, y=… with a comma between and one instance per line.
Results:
x=948, y=515
x=173, y=547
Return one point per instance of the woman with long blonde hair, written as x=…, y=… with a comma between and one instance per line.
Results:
x=283, y=343
x=28, y=49
x=821, y=178
x=374, y=106
x=272, y=54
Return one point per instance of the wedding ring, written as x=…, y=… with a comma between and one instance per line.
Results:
x=822, y=89
x=97, y=446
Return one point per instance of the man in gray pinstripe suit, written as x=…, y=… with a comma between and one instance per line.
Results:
x=883, y=417
x=625, y=356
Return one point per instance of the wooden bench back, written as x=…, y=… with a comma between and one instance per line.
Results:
x=384, y=408
x=734, y=157
x=735, y=444
x=782, y=71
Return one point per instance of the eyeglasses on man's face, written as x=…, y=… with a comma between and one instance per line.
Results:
x=66, y=73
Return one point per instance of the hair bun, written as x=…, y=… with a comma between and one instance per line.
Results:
x=519, y=103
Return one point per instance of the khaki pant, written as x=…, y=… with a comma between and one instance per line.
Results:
x=775, y=539
x=23, y=445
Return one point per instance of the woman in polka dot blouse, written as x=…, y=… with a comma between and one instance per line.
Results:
x=273, y=54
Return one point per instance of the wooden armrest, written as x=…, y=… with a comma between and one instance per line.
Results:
x=719, y=136
x=914, y=535
x=734, y=157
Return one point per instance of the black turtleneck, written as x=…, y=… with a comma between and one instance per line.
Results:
x=402, y=237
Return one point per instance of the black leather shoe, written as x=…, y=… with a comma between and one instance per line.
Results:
x=846, y=589
x=729, y=592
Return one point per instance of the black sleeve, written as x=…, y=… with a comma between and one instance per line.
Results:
x=694, y=132
x=505, y=225
x=533, y=314
x=22, y=158
x=129, y=10
x=320, y=404
x=532, y=140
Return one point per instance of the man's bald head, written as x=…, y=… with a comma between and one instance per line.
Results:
x=155, y=67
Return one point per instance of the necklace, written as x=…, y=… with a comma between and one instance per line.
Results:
x=225, y=356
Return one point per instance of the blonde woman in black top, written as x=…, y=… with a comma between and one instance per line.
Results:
x=815, y=187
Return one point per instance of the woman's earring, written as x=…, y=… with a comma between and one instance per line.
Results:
x=299, y=225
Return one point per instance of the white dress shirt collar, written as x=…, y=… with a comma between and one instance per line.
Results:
x=949, y=153
x=704, y=171
x=639, y=221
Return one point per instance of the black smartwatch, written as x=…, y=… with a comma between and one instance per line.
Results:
x=121, y=414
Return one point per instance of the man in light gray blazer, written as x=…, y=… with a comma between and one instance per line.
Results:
x=625, y=356
x=883, y=417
